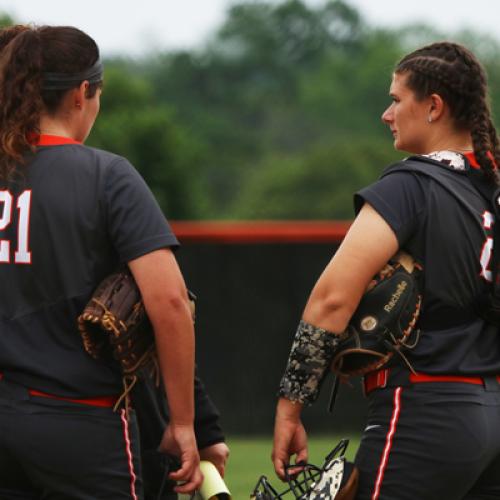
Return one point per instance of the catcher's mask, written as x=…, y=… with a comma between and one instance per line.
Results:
x=336, y=479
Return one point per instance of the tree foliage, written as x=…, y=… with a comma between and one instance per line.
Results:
x=277, y=116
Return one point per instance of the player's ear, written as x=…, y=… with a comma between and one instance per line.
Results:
x=80, y=94
x=436, y=107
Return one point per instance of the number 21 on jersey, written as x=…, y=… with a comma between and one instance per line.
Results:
x=9, y=203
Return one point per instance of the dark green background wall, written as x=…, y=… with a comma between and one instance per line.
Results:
x=250, y=299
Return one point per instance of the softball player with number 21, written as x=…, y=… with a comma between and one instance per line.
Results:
x=69, y=216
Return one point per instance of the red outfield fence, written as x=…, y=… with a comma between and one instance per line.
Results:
x=260, y=231
x=252, y=280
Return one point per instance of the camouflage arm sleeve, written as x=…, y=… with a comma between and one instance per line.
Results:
x=310, y=356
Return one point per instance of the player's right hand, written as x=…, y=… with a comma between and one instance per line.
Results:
x=290, y=437
x=179, y=440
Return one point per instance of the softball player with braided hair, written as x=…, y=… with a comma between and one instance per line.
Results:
x=431, y=433
x=69, y=216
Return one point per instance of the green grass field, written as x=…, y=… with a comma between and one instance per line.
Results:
x=250, y=458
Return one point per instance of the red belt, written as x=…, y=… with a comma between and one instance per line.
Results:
x=379, y=379
x=101, y=401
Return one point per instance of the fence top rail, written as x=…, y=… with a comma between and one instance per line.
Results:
x=237, y=232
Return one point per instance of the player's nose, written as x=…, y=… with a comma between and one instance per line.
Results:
x=387, y=116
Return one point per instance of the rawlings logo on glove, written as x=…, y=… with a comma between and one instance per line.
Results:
x=385, y=320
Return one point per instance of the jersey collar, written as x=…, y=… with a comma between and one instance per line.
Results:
x=472, y=159
x=53, y=140
x=473, y=162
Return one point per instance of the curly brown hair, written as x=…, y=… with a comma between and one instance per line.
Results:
x=453, y=72
x=26, y=53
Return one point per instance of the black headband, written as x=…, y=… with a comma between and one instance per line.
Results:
x=63, y=81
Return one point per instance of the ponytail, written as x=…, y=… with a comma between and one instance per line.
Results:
x=7, y=34
x=20, y=88
x=28, y=57
x=485, y=145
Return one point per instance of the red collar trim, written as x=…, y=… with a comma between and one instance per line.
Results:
x=472, y=159
x=473, y=162
x=53, y=140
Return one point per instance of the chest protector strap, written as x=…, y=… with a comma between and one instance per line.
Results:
x=488, y=303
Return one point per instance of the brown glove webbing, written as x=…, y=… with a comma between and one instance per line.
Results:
x=114, y=323
x=130, y=377
x=109, y=320
x=124, y=354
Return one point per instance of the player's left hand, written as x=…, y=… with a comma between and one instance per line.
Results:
x=290, y=437
x=218, y=454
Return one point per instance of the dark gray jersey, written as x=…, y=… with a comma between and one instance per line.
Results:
x=443, y=221
x=71, y=216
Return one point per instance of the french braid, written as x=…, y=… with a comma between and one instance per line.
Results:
x=453, y=72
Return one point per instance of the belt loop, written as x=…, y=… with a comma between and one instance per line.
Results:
x=382, y=377
x=375, y=380
x=491, y=383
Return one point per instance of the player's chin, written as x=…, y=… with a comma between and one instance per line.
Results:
x=398, y=144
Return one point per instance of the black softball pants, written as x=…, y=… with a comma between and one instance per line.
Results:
x=54, y=450
x=431, y=441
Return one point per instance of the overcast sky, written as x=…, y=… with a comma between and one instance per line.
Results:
x=135, y=26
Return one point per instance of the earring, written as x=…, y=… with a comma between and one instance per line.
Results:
x=429, y=119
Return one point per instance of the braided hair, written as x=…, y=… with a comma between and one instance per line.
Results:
x=453, y=72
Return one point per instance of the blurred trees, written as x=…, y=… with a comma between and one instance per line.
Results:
x=278, y=116
x=277, y=99
x=134, y=124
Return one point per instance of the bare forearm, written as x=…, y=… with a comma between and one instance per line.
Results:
x=175, y=345
x=166, y=301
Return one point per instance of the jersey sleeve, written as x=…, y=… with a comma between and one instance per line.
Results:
x=207, y=428
x=399, y=198
x=135, y=221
